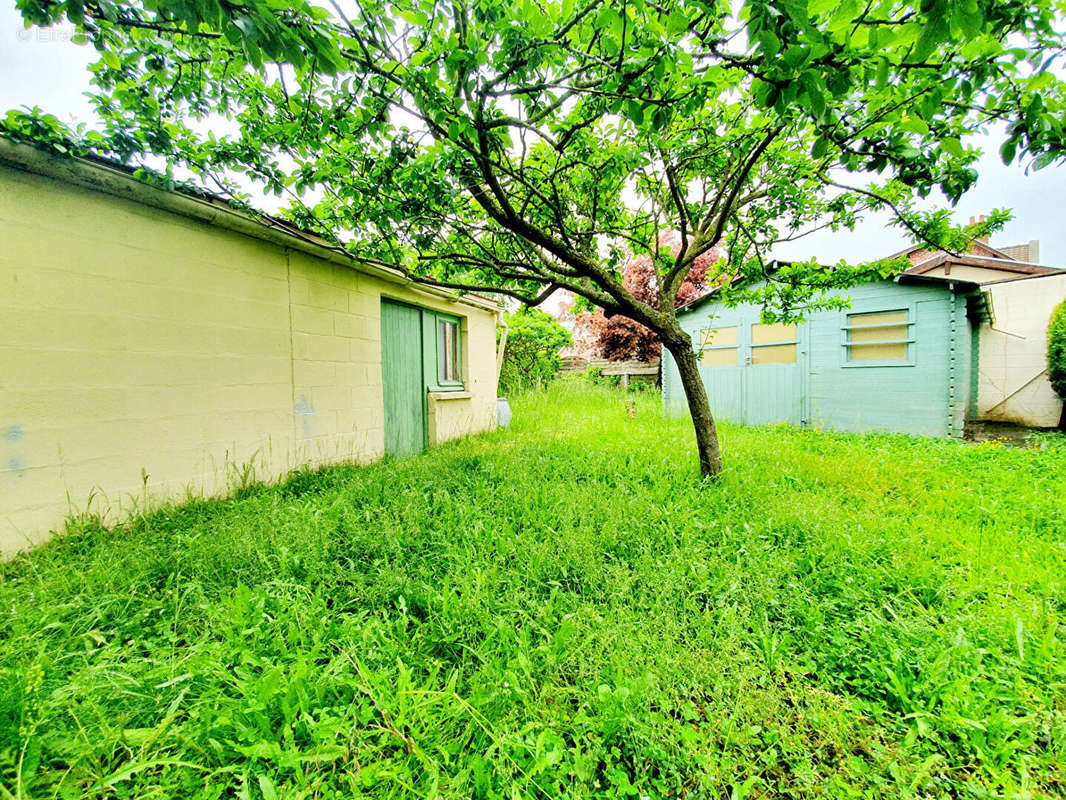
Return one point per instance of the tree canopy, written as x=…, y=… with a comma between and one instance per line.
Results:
x=520, y=146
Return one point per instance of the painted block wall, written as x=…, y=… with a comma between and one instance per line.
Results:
x=145, y=355
x=1012, y=369
x=910, y=399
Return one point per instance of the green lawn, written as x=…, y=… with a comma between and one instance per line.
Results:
x=560, y=609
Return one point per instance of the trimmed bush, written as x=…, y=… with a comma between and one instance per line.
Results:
x=1056, y=350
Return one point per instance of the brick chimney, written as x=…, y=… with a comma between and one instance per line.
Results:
x=982, y=218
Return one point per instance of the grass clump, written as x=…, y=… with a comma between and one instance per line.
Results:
x=561, y=609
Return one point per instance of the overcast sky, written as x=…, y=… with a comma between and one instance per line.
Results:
x=43, y=68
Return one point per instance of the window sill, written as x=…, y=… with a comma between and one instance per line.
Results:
x=452, y=394
x=872, y=363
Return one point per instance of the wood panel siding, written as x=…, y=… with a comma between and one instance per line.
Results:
x=923, y=389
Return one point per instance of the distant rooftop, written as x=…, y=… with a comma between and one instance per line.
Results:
x=1029, y=252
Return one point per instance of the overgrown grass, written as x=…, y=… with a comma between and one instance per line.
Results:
x=560, y=609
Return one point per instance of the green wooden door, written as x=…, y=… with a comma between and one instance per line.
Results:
x=403, y=384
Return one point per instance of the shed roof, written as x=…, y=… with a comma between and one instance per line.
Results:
x=986, y=262
x=952, y=284
x=114, y=178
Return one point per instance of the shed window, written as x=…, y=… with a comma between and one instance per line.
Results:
x=718, y=347
x=879, y=336
x=448, y=370
x=773, y=343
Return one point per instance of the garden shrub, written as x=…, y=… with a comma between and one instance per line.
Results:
x=1056, y=355
x=531, y=354
x=1056, y=350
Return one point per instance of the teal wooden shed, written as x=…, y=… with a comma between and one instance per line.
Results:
x=901, y=358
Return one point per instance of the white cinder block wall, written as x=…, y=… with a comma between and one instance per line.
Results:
x=1012, y=368
x=145, y=354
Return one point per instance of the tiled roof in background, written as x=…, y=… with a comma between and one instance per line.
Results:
x=1029, y=252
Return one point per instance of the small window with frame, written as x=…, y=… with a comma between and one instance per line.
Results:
x=879, y=338
x=448, y=367
x=718, y=347
x=774, y=343
x=442, y=351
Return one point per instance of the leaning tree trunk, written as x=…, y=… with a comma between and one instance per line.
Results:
x=698, y=407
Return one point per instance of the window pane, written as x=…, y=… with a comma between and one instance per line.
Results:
x=774, y=354
x=872, y=352
x=447, y=350
x=887, y=342
x=724, y=340
x=724, y=337
x=724, y=357
x=454, y=372
x=776, y=332
x=890, y=334
x=878, y=318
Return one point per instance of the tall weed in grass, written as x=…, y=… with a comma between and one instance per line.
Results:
x=561, y=609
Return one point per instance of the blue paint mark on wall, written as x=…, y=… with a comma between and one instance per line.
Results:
x=304, y=410
x=12, y=447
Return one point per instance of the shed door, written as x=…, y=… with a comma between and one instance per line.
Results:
x=773, y=375
x=754, y=373
x=403, y=385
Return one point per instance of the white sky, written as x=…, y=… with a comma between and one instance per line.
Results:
x=43, y=68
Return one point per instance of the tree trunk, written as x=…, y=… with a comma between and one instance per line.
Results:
x=698, y=407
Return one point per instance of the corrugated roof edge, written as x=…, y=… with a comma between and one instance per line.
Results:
x=103, y=175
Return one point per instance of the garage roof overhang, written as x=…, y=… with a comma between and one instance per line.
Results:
x=946, y=260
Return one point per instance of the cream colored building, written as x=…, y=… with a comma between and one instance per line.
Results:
x=156, y=344
x=1012, y=379
x=1012, y=370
